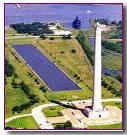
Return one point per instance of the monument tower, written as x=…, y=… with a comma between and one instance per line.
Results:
x=96, y=102
x=96, y=109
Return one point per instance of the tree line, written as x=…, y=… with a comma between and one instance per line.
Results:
x=116, y=47
x=33, y=98
x=9, y=69
x=86, y=46
x=35, y=28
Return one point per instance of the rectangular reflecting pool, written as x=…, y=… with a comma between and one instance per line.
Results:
x=52, y=76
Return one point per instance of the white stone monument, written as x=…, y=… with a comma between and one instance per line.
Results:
x=96, y=110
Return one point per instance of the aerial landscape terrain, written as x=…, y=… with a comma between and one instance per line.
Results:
x=49, y=65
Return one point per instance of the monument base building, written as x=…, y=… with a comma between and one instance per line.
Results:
x=89, y=112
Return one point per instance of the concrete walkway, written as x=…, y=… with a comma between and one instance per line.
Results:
x=16, y=117
x=40, y=118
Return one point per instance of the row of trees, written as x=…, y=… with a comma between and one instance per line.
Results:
x=116, y=47
x=38, y=28
x=9, y=69
x=86, y=46
x=43, y=36
x=35, y=28
x=66, y=125
x=33, y=98
x=107, y=22
x=110, y=87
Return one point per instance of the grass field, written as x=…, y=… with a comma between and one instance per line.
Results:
x=59, y=51
x=118, y=104
x=112, y=61
x=53, y=111
x=23, y=123
x=112, y=126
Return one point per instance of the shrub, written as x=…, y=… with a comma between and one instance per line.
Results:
x=25, y=88
x=62, y=52
x=51, y=38
x=43, y=36
x=66, y=125
x=43, y=89
x=36, y=80
x=52, y=108
x=66, y=36
x=14, y=83
x=73, y=51
x=9, y=69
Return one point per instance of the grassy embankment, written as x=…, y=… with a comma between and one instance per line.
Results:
x=15, y=96
x=111, y=126
x=23, y=123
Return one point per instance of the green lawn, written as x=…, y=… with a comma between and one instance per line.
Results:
x=112, y=61
x=118, y=104
x=53, y=111
x=23, y=123
x=112, y=126
x=59, y=51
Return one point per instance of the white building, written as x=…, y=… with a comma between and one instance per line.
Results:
x=59, y=30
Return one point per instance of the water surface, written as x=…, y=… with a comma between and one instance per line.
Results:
x=61, y=12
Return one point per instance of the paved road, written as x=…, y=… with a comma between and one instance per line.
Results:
x=40, y=118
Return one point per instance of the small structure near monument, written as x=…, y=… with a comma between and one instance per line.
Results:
x=58, y=29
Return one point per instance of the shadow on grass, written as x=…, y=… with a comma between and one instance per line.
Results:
x=69, y=105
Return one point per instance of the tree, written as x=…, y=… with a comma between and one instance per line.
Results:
x=25, y=88
x=43, y=89
x=9, y=69
x=43, y=36
x=67, y=125
x=16, y=109
x=59, y=126
x=76, y=24
x=119, y=77
x=73, y=51
x=51, y=38
x=14, y=83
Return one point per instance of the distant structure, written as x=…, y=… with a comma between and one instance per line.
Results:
x=18, y=6
x=76, y=23
x=97, y=110
x=58, y=29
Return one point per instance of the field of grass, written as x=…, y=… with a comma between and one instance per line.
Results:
x=112, y=61
x=112, y=126
x=23, y=123
x=118, y=104
x=112, y=81
x=53, y=111
x=59, y=51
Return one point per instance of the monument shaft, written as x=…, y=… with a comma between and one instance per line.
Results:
x=96, y=102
